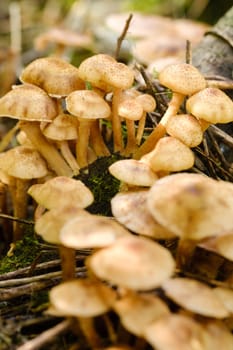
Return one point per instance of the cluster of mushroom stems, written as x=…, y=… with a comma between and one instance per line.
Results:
x=62, y=112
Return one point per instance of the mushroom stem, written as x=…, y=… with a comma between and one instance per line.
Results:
x=68, y=262
x=8, y=137
x=83, y=142
x=47, y=150
x=116, y=122
x=87, y=327
x=160, y=130
x=184, y=253
x=97, y=140
x=6, y=225
x=68, y=156
x=131, y=139
x=140, y=130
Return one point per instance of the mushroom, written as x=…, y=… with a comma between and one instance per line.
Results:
x=184, y=80
x=49, y=225
x=195, y=296
x=133, y=263
x=210, y=106
x=86, y=105
x=21, y=164
x=104, y=72
x=31, y=105
x=83, y=299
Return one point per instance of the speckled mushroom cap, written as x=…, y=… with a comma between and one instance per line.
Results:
x=211, y=105
x=49, y=225
x=130, y=209
x=91, y=232
x=104, y=72
x=198, y=207
x=61, y=191
x=28, y=102
x=54, y=75
x=137, y=311
x=63, y=127
x=169, y=154
x=133, y=172
x=87, y=104
x=133, y=262
x=176, y=332
x=82, y=298
x=23, y=162
x=183, y=78
x=195, y=296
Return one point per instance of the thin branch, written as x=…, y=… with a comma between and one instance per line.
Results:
x=122, y=36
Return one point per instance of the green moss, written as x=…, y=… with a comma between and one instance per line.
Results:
x=102, y=184
x=25, y=252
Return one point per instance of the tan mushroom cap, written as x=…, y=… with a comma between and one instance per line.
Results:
x=169, y=154
x=211, y=105
x=224, y=246
x=61, y=191
x=130, y=209
x=49, y=225
x=28, y=102
x=183, y=78
x=91, y=232
x=54, y=75
x=63, y=127
x=186, y=128
x=87, y=104
x=137, y=311
x=192, y=205
x=226, y=296
x=219, y=336
x=23, y=162
x=133, y=262
x=147, y=102
x=130, y=109
x=104, y=72
x=195, y=296
x=176, y=332
x=133, y=172
x=82, y=298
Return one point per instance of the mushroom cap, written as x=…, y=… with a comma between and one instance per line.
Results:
x=91, y=232
x=49, y=225
x=23, y=162
x=147, y=101
x=199, y=206
x=61, y=191
x=28, y=102
x=104, y=72
x=185, y=128
x=82, y=298
x=212, y=105
x=219, y=336
x=226, y=296
x=133, y=172
x=137, y=311
x=130, y=108
x=183, y=78
x=130, y=209
x=63, y=127
x=87, y=104
x=224, y=246
x=133, y=262
x=54, y=75
x=195, y=296
x=176, y=332
x=169, y=154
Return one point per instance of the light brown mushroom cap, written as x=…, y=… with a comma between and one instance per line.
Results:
x=137, y=311
x=133, y=262
x=224, y=246
x=195, y=296
x=54, y=75
x=133, y=172
x=219, y=336
x=91, y=232
x=183, y=78
x=211, y=105
x=186, y=128
x=87, y=104
x=169, y=154
x=130, y=109
x=199, y=206
x=28, y=102
x=226, y=296
x=61, y=191
x=23, y=162
x=104, y=72
x=82, y=298
x=147, y=102
x=49, y=225
x=63, y=127
x=176, y=332
x=130, y=209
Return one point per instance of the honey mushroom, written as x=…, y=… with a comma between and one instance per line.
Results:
x=182, y=79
